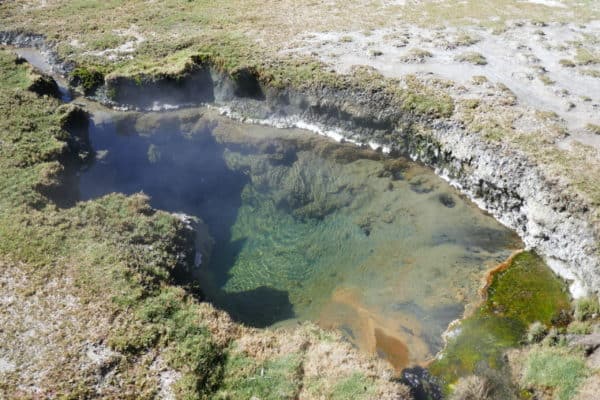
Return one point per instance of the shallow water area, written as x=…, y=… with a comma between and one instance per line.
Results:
x=303, y=228
x=40, y=62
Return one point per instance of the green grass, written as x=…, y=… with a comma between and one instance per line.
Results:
x=107, y=41
x=356, y=387
x=580, y=328
x=275, y=379
x=12, y=77
x=586, y=308
x=555, y=368
x=177, y=23
x=88, y=79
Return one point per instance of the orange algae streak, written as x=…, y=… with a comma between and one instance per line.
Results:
x=397, y=340
x=489, y=275
x=392, y=348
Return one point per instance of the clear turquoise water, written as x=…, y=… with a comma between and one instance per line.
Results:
x=308, y=229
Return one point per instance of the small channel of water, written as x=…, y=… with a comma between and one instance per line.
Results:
x=306, y=229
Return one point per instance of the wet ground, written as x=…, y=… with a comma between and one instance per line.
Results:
x=305, y=228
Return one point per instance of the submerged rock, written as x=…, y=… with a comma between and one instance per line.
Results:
x=423, y=386
x=203, y=242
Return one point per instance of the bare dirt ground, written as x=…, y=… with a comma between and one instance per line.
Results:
x=531, y=59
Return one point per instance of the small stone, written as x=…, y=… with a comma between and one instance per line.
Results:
x=447, y=200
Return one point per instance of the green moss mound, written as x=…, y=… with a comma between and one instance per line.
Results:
x=527, y=291
x=88, y=79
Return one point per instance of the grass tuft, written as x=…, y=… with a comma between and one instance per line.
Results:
x=471, y=57
x=557, y=369
x=586, y=309
x=275, y=379
x=357, y=386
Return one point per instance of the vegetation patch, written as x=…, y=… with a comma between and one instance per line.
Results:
x=416, y=56
x=357, y=386
x=586, y=309
x=567, y=63
x=275, y=379
x=536, y=332
x=471, y=57
x=106, y=41
x=593, y=128
x=528, y=291
x=464, y=39
x=88, y=79
x=584, y=56
x=525, y=292
x=557, y=369
x=546, y=80
x=594, y=73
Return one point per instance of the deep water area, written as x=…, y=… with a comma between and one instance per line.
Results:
x=297, y=227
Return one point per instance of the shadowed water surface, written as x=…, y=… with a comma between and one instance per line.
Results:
x=304, y=228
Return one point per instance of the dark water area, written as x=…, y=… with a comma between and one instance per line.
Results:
x=306, y=229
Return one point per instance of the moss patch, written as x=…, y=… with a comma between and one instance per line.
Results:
x=525, y=292
x=88, y=79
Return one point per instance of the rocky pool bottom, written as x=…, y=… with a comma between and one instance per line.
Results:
x=296, y=227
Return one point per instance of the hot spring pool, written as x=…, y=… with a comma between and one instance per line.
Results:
x=307, y=229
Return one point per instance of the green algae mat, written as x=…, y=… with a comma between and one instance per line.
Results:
x=523, y=293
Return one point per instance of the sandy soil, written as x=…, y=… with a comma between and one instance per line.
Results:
x=526, y=58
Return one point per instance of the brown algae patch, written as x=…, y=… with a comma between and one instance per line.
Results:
x=372, y=332
x=522, y=291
